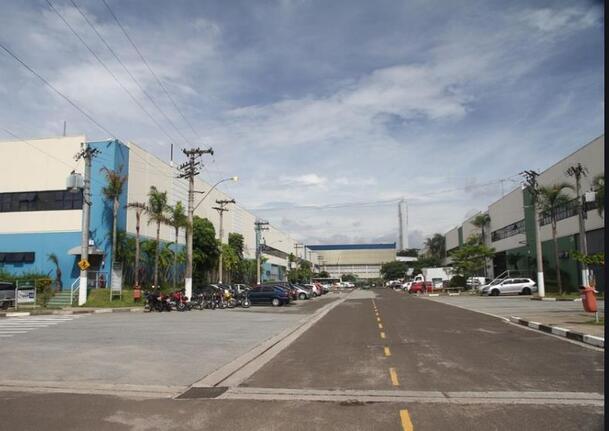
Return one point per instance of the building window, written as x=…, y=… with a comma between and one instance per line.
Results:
x=47, y=200
x=19, y=257
x=567, y=210
x=508, y=231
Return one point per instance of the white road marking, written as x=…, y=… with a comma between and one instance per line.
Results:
x=20, y=325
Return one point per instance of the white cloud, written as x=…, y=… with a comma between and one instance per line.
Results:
x=303, y=180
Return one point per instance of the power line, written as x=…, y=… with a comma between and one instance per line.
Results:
x=115, y=55
x=125, y=89
x=52, y=87
x=175, y=105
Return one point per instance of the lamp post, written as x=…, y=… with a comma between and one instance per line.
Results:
x=189, y=234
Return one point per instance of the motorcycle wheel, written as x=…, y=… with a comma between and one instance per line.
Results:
x=180, y=306
x=231, y=303
x=246, y=303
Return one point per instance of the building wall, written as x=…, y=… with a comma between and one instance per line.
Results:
x=452, y=239
x=504, y=212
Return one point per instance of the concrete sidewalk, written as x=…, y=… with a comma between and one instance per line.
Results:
x=565, y=314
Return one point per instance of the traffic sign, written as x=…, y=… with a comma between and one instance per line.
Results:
x=83, y=264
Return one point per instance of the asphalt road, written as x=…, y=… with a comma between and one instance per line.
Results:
x=380, y=360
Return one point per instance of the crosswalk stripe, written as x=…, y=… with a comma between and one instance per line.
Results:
x=19, y=325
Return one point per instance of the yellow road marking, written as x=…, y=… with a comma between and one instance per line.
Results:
x=382, y=335
x=380, y=326
x=378, y=319
x=394, y=377
x=387, y=351
x=406, y=422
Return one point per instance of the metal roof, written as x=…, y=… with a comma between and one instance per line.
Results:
x=328, y=247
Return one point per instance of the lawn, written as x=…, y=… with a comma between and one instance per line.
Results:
x=101, y=298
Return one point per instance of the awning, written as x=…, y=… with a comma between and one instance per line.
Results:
x=75, y=251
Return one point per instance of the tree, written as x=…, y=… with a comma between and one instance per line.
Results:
x=598, y=185
x=204, y=245
x=436, y=245
x=177, y=219
x=469, y=259
x=139, y=208
x=112, y=192
x=302, y=273
x=323, y=274
x=349, y=277
x=409, y=252
x=394, y=270
x=551, y=198
x=481, y=221
x=55, y=261
x=230, y=260
x=235, y=241
x=156, y=209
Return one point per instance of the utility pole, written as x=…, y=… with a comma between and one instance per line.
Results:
x=221, y=209
x=190, y=169
x=578, y=171
x=87, y=154
x=260, y=226
x=531, y=182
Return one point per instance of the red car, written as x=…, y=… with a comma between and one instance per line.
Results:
x=420, y=287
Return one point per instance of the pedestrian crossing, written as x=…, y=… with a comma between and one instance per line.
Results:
x=12, y=326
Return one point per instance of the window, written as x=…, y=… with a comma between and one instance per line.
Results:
x=268, y=289
x=508, y=231
x=47, y=200
x=19, y=257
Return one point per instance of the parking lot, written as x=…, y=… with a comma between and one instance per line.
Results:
x=147, y=350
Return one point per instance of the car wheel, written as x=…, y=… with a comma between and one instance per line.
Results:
x=276, y=302
x=495, y=292
x=526, y=291
x=302, y=296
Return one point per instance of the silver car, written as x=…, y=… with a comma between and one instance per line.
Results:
x=510, y=286
x=7, y=295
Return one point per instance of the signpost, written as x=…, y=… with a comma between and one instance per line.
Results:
x=25, y=293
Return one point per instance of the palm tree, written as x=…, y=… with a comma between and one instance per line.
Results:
x=436, y=245
x=112, y=191
x=551, y=198
x=156, y=208
x=139, y=208
x=598, y=185
x=177, y=220
x=55, y=261
x=481, y=221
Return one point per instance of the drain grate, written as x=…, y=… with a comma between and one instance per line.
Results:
x=200, y=393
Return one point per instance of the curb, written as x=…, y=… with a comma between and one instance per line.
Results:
x=68, y=312
x=561, y=332
x=536, y=298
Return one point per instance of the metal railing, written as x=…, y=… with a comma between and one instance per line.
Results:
x=74, y=290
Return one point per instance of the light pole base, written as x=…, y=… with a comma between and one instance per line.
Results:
x=541, y=287
x=188, y=288
x=82, y=290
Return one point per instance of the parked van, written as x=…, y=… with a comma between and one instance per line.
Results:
x=7, y=294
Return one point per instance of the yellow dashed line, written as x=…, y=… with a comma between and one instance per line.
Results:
x=382, y=335
x=387, y=351
x=406, y=422
x=380, y=326
x=394, y=377
x=378, y=319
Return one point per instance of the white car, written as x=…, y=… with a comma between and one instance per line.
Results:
x=510, y=286
x=406, y=286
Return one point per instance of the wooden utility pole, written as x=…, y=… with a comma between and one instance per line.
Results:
x=221, y=209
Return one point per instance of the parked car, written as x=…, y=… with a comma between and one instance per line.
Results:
x=7, y=294
x=406, y=286
x=507, y=286
x=420, y=286
x=275, y=295
x=315, y=289
x=303, y=292
x=476, y=282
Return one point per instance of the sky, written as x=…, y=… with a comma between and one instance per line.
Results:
x=329, y=112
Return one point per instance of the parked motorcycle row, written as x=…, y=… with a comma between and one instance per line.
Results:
x=222, y=296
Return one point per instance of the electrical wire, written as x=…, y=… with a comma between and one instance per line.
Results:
x=115, y=55
x=175, y=105
x=125, y=89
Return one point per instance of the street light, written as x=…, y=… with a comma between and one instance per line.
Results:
x=235, y=179
x=189, y=234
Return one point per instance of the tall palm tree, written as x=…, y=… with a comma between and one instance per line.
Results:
x=156, y=209
x=481, y=221
x=139, y=208
x=112, y=191
x=598, y=185
x=551, y=198
x=436, y=245
x=177, y=220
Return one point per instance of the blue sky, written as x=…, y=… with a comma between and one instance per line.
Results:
x=313, y=103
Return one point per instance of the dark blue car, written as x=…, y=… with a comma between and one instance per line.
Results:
x=274, y=295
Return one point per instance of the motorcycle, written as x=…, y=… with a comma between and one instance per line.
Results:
x=203, y=300
x=180, y=301
x=156, y=301
x=242, y=300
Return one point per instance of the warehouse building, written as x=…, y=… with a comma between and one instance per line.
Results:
x=511, y=231
x=362, y=260
x=39, y=218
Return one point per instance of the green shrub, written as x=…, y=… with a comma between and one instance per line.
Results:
x=457, y=281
